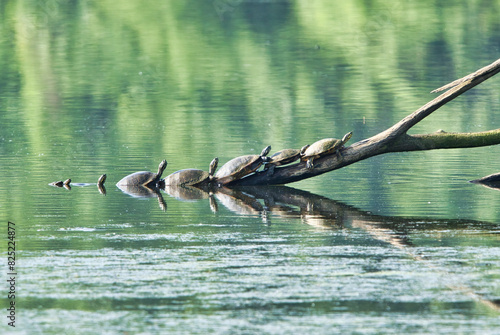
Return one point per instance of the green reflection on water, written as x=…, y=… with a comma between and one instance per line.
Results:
x=92, y=87
x=100, y=87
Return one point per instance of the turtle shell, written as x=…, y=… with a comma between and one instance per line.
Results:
x=324, y=147
x=241, y=166
x=286, y=156
x=186, y=177
x=144, y=178
x=189, y=177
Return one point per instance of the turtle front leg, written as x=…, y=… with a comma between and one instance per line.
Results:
x=270, y=168
x=310, y=164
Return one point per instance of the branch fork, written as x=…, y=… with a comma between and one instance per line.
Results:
x=394, y=139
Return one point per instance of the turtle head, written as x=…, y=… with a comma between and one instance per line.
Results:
x=162, y=167
x=264, y=153
x=213, y=166
x=347, y=137
x=101, y=180
x=303, y=149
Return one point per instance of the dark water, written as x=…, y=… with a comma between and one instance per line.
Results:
x=397, y=243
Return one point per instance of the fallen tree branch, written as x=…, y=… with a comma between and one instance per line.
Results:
x=394, y=139
x=444, y=140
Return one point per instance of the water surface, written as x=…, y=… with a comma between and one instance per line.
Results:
x=396, y=243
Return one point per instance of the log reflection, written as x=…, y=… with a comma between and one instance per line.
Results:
x=324, y=213
x=267, y=202
x=316, y=210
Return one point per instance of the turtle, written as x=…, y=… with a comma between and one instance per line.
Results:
x=285, y=156
x=141, y=191
x=324, y=147
x=241, y=166
x=100, y=184
x=101, y=180
x=189, y=177
x=61, y=183
x=144, y=178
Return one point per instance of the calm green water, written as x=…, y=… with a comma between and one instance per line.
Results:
x=397, y=243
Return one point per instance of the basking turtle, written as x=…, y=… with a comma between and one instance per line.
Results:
x=324, y=147
x=189, y=177
x=285, y=156
x=144, y=178
x=241, y=166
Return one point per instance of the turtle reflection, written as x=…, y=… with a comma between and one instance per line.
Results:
x=140, y=191
x=287, y=202
x=320, y=212
x=241, y=203
x=191, y=193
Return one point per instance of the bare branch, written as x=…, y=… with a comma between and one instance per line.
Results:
x=463, y=85
x=444, y=140
x=393, y=139
x=485, y=73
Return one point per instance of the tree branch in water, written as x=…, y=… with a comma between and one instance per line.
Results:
x=394, y=139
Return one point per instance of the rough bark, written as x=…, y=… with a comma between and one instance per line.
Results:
x=394, y=139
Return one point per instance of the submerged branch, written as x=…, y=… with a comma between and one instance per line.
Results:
x=394, y=139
